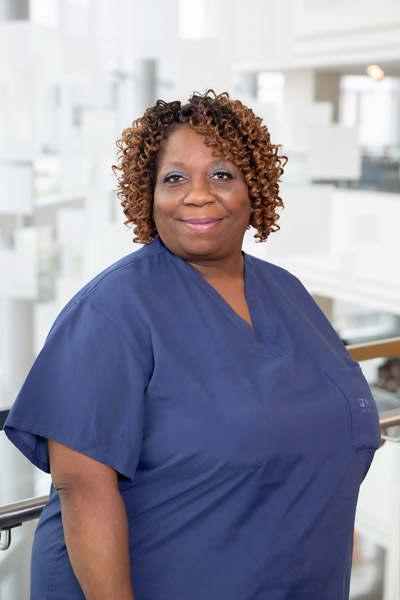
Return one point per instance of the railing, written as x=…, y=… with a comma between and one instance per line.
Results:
x=15, y=514
x=379, y=349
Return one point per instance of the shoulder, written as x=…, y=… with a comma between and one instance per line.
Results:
x=283, y=288
x=120, y=287
x=274, y=274
x=131, y=270
x=295, y=304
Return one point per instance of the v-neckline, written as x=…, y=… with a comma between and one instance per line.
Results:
x=260, y=335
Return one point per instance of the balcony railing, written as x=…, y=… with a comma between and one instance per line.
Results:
x=15, y=514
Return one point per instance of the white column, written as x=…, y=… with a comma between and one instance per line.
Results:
x=246, y=84
x=299, y=97
x=16, y=345
x=327, y=89
x=11, y=10
x=145, y=91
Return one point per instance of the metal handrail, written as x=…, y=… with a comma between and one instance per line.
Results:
x=389, y=418
x=13, y=515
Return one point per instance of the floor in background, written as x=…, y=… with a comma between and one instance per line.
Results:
x=368, y=570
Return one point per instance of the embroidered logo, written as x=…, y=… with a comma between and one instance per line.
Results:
x=364, y=405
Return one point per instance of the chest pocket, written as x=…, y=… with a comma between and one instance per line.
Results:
x=365, y=429
x=219, y=430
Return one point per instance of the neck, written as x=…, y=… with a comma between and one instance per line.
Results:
x=227, y=269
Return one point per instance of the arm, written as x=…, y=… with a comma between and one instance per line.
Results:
x=95, y=523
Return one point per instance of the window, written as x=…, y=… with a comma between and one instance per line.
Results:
x=375, y=107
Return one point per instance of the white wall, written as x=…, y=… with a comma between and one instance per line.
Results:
x=343, y=244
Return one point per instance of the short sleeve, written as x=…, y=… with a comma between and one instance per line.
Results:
x=85, y=390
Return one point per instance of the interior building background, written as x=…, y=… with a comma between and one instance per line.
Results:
x=75, y=73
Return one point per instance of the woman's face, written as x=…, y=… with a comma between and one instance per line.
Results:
x=201, y=202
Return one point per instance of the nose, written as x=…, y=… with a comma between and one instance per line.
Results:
x=199, y=193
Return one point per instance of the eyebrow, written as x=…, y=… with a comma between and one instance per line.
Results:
x=177, y=164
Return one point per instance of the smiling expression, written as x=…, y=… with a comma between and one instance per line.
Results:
x=201, y=202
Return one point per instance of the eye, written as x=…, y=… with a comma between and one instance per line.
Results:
x=221, y=175
x=173, y=177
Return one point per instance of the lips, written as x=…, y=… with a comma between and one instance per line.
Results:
x=202, y=220
x=202, y=224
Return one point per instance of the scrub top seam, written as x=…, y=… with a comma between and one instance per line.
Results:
x=338, y=387
x=270, y=265
x=86, y=295
x=97, y=307
x=124, y=266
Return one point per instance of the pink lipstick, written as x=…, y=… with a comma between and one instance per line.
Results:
x=203, y=224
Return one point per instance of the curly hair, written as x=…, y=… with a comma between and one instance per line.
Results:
x=229, y=128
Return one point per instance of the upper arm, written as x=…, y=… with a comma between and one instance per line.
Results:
x=73, y=470
x=86, y=390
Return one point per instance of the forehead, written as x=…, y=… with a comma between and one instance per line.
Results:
x=182, y=145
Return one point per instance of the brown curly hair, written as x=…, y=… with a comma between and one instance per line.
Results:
x=231, y=129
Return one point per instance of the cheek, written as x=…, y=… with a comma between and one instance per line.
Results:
x=165, y=201
x=158, y=215
x=163, y=217
x=160, y=207
x=245, y=205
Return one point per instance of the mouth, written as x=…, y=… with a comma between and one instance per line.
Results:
x=202, y=224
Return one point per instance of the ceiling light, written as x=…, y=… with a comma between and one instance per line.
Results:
x=375, y=72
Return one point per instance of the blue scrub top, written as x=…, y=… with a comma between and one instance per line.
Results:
x=240, y=452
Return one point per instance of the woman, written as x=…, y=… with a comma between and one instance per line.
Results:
x=205, y=428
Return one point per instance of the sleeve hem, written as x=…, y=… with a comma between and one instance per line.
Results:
x=26, y=450
x=103, y=457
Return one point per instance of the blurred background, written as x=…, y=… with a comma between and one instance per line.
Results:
x=325, y=77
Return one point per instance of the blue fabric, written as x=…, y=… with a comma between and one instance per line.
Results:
x=240, y=454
